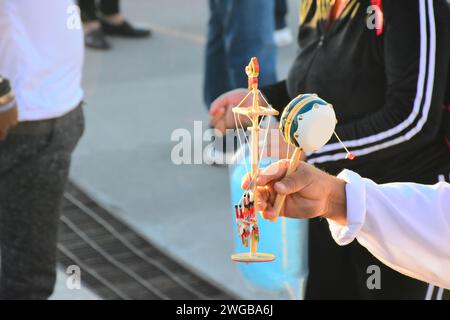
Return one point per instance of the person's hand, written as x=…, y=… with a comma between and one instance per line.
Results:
x=310, y=192
x=222, y=117
x=8, y=120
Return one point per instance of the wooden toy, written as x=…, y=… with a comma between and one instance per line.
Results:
x=307, y=123
x=246, y=212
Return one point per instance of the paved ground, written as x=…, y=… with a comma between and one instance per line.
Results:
x=137, y=94
x=62, y=292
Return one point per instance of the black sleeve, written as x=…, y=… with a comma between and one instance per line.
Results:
x=446, y=120
x=277, y=95
x=416, y=52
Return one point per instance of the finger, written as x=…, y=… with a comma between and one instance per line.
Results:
x=220, y=126
x=273, y=173
x=219, y=104
x=266, y=197
x=217, y=116
x=213, y=121
x=294, y=182
x=262, y=205
x=263, y=196
x=246, y=181
x=269, y=213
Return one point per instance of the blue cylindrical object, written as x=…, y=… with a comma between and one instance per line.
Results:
x=286, y=239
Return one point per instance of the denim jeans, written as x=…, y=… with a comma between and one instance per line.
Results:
x=237, y=31
x=281, y=10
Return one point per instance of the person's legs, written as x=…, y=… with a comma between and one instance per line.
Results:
x=109, y=7
x=282, y=34
x=88, y=10
x=34, y=164
x=281, y=10
x=249, y=27
x=115, y=24
x=237, y=31
x=93, y=34
x=216, y=80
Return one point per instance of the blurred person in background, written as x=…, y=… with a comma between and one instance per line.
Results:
x=237, y=31
x=282, y=34
x=102, y=18
x=384, y=66
x=42, y=57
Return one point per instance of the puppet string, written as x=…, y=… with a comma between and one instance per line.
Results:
x=252, y=184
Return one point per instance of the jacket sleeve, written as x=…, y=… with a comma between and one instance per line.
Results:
x=404, y=225
x=415, y=46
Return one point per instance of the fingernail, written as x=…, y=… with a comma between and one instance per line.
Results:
x=268, y=215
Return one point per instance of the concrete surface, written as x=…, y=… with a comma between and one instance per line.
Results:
x=62, y=292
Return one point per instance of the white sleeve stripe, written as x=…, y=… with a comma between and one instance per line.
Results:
x=417, y=102
x=429, y=92
x=429, y=293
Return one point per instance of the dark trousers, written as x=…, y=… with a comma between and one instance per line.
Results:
x=89, y=8
x=34, y=165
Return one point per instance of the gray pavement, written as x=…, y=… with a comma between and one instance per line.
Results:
x=137, y=94
x=62, y=291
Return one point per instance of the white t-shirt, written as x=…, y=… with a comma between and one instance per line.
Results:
x=41, y=53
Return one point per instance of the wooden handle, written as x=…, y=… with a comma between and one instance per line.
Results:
x=279, y=201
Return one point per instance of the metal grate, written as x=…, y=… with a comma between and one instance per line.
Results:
x=116, y=262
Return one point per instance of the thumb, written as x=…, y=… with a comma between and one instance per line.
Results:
x=286, y=186
x=273, y=172
x=295, y=181
x=218, y=105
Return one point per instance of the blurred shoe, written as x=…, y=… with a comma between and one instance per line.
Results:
x=125, y=29
x=96, y=39
x=283, y=37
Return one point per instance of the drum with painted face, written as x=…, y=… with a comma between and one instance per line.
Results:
x=308, y=122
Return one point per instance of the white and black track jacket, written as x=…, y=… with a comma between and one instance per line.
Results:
x=389, y=86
